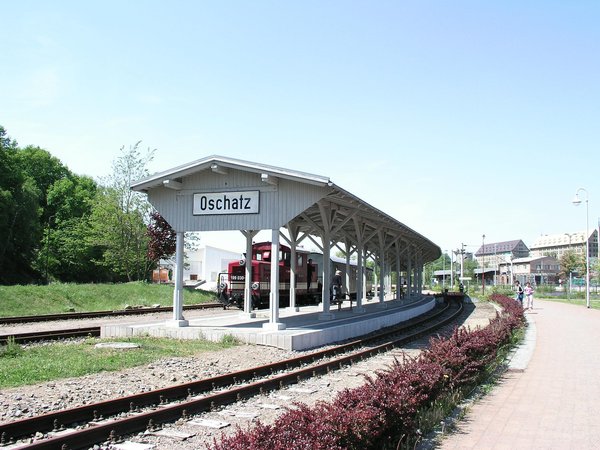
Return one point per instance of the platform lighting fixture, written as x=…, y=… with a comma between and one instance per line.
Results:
x=266, y=178
x=219, y=169
x=172, y=184
x=577, y=202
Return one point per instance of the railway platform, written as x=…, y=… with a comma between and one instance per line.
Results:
x=303, y=329
x=550, y=396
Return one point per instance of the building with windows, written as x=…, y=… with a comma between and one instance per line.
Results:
x=557, y=244
x=535, y=269
x=495, y=253
x=506, y=262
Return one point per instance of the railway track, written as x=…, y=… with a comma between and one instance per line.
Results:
x=102, y=421
x=94, y=314
x=37, y=336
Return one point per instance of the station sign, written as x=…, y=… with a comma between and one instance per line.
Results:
x=240, y=202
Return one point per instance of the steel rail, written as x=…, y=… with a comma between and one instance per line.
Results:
x=137, y=421
x=36, y=336
x=95, y=314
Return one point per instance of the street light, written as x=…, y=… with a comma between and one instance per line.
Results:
x=577, y=202
x=570, y=271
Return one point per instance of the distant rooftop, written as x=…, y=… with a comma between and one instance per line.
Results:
x=498, y=247
x=557, y=240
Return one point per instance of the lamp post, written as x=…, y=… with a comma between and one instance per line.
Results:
x=443, y=271
x=462, y=262
x=570, y=271
x=483, y=265
x=451, y=269
x=577, y=202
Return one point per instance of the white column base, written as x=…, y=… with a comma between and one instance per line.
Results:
x=177, y=323
x=245, y=315
x=273, y=326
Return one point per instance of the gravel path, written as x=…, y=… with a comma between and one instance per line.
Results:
x=32, y=400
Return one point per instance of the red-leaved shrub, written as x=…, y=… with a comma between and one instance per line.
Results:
x=383, y=410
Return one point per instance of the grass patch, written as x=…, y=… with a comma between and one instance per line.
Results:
x=26, y=300
x=29, y=365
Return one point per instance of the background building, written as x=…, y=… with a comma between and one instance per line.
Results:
x=535, y=269
x=205, y=264
x=492, y=254
x=201, y=266
x=557, y=244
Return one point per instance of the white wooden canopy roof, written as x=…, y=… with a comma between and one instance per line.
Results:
x=301, y=201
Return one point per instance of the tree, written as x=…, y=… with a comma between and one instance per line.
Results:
x=162, y=238
x=66, y=252
x=442, y=263
x=19, y=216
x=45, y=170
x=119, y=217
x=570, y=262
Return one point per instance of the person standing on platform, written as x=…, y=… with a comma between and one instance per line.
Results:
x=528, y=291
x=336, y=286
x=519, y=292
x=309, y=274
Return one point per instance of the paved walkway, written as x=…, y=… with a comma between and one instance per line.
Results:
x=554, y=403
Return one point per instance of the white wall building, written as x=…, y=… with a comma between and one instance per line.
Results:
x=205, y=263
x=202, y=265
x=557, y=244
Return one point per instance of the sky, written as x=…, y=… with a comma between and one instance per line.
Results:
x=459, y=119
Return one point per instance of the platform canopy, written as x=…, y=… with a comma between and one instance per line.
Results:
x=218, y=193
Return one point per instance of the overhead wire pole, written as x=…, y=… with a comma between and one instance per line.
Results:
x=451, y=269
x=577, y=202
x=483, y=265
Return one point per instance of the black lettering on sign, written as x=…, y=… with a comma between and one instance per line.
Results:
x=246, y=202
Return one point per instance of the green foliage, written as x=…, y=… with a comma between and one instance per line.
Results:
x=66, y=253
x=229, y=340
x=23, y=300
x=44, y=169
x=19, y=215
x=499, y=289
x=11, y=349
x=469, y=267
x=571, y=261
x=60, y=226
x=442, y=263
x=63, y=360
x=119, y=217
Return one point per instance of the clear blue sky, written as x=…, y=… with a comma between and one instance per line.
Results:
x=456, y=118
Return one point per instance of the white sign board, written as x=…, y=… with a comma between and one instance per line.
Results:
x=241, y=202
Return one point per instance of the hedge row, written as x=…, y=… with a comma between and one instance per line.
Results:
x=379, y=413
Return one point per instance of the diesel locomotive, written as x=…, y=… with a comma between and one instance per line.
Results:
x=308, y=283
